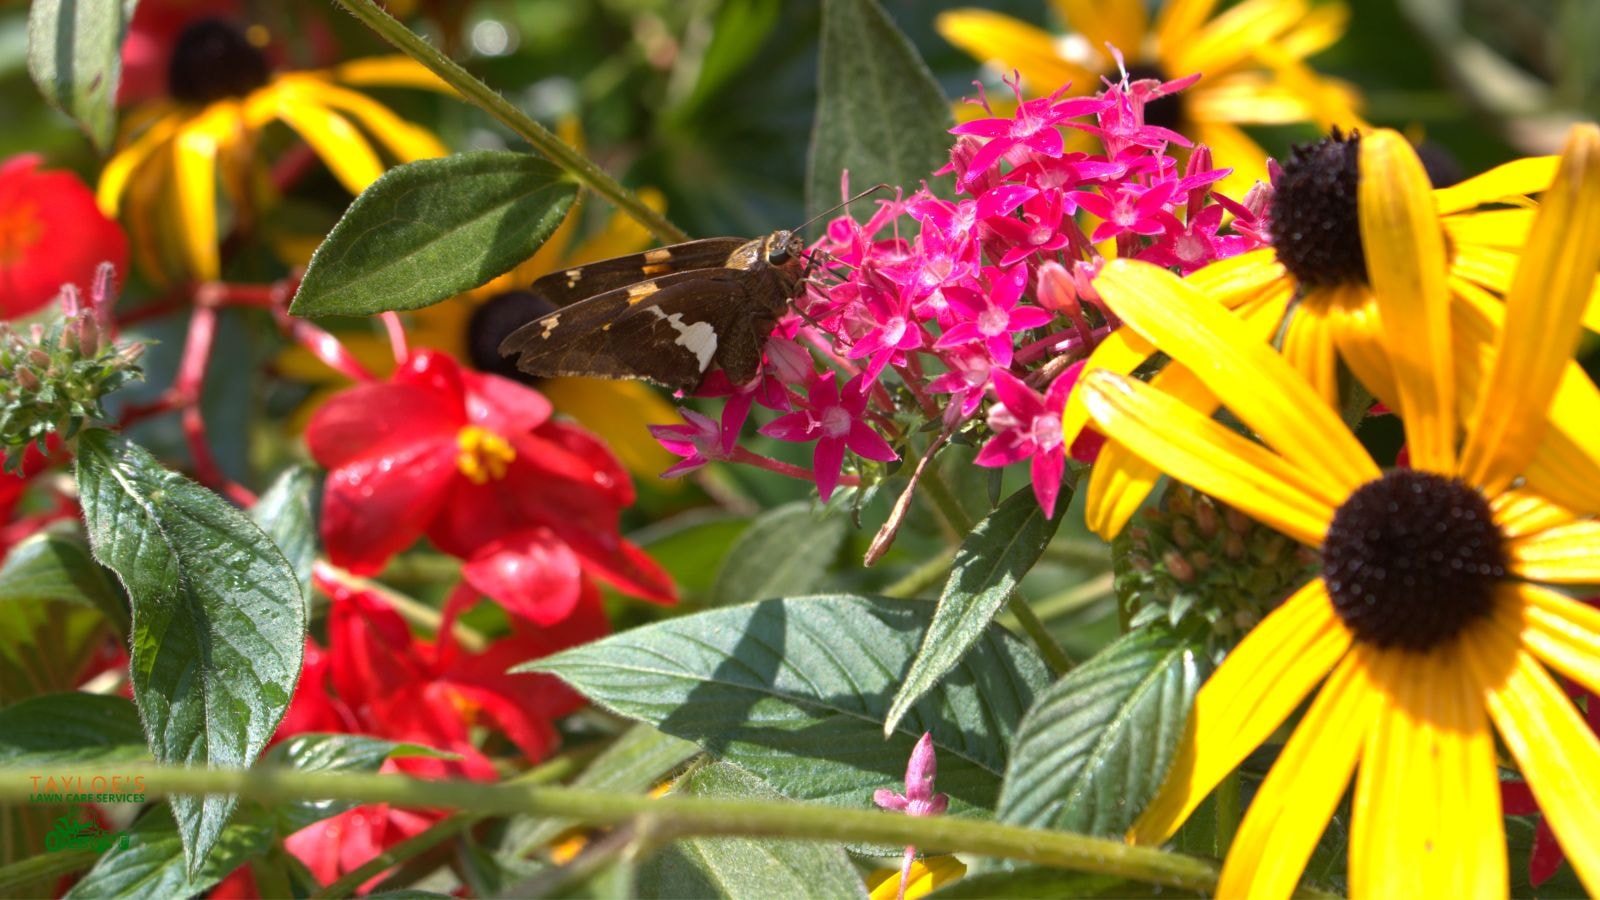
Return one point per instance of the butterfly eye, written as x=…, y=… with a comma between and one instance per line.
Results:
x=778, y=255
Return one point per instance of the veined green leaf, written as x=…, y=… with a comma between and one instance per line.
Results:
x=430, y=229
x=218, y=621
x=880, y=113
x=49, y=566
x=795, y=690
x=755, y=868
x=1097, y=744
x=991, y=562
x=71, y=728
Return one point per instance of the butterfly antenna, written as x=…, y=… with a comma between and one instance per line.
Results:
x=833, y=209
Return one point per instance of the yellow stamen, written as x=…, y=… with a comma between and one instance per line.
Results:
x=484, y=455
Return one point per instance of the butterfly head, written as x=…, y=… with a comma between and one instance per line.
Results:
x=784, y=249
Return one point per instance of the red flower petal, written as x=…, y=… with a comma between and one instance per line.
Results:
x=530, y=573
x=378, y=505
x=51, y=233
x=369, y=417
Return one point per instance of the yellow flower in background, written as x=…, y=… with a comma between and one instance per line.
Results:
x=1251, y=59
x=1336, y=240
x=617, y=411
x=163, y=178
x=1428, y=630
x=927, y=875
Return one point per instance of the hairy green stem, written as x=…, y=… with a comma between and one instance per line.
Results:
x=677, y=815
x=580, y=167
x=1226, y=801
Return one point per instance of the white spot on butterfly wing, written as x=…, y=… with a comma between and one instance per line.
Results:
x=698, y=338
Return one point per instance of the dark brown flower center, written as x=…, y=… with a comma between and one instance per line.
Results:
x=1315, y=229
x=1164, y=112
x=213, y=60
x=493, y=321
x=1413, y=558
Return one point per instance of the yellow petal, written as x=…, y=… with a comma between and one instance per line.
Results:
x=618, y=412
x=339, y=144
x=1121, y=352
x=1293, y=805
x=1013, y=44
x=1502, y=183
x=1562, y=632
x=1246, y=98
x=1237, y=279
x=1308, y=346
x=1252, y=380
x=1506, y=229
x=1177, y=22
x=1199, y=452
x=1231, y=38
x=1426, y=816
x=1404, y=248
x=1554, y=748
x=195, y=168
x=1544, y=310
x=1567, y=554
x=390, y=71
x=927, y=875
x=147, y=205
x=1232, y=148
x=1319, y=30
x=1120, y=23
x=405, y=141
x=1565, y=467
x=114, y=177
x=1120, y=480
x=1519, y=513
x=1254, y=690
x=620, y=235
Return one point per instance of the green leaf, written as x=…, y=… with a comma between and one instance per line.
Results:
x=75, y=58
x=284, y=512
x=45, y=644
x=744, y=867
x=1097, y=744
x=880, y=113
x=153, y=865
x=52, y=566
x=637, y=761
x=218, y=620
x=785, y=552
x=795, y=690
x=430, y=229
x=70, y=728
x=987, y=568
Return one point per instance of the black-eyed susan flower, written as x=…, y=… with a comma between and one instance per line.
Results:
x=470, y=327
x=1429, y=629
x=1251, y=59
x=222, y=95
x=1349, y=214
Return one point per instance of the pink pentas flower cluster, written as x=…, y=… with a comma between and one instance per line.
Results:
x=936, y=307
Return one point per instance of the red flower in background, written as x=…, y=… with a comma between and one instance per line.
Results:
x=51, y=233
x=474, y=462
x=378, y=679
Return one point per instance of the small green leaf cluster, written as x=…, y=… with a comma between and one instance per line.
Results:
x=1194, y=560
x=58, y=374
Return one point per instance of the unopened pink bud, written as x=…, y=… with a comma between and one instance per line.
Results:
x=28, y=380
x=1056, y=290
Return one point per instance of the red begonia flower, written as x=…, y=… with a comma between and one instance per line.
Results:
x=51, y=233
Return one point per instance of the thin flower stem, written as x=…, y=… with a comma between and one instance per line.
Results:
x=919, y=580
x=1055, y=656
x=679, y=815
x=444, y=829
x=741, y=455
x=486, y=98
x=330, y=578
